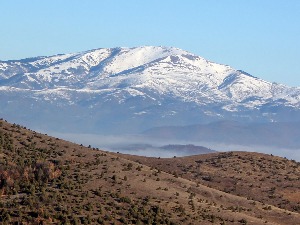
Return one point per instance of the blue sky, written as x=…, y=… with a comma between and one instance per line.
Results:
x=261, y=37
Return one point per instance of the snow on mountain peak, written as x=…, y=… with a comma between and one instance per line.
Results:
x=151, y=73
x=132, y=89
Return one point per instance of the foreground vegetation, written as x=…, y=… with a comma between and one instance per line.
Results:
x=45, y=180
x=265, y=178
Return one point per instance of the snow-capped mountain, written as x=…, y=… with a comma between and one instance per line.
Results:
x=133, y=89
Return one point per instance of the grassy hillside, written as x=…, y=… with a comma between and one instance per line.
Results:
x=45, y=180
x=266, y=178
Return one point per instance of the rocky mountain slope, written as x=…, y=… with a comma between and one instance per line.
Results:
x=46, y=180
x=127, y=90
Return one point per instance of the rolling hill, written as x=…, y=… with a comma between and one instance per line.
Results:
x=46, y=180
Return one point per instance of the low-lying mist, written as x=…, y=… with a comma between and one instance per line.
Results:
x=140, y=145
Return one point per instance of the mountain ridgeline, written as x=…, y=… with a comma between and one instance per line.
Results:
x=129, y=90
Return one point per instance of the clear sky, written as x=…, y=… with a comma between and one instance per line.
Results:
x=261, y=37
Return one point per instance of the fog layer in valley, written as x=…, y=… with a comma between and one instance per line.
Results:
x=139, y=145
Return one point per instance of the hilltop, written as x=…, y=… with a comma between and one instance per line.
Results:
x=265, y=178
x=46, y=180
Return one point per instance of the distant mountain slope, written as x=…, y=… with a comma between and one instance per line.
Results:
x=188, y=149
x=46, y=180
x=125, y=90
x=165, y=151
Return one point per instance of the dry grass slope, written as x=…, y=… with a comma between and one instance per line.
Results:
x=45, y=180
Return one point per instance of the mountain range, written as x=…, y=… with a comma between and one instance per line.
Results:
x=130, y=90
